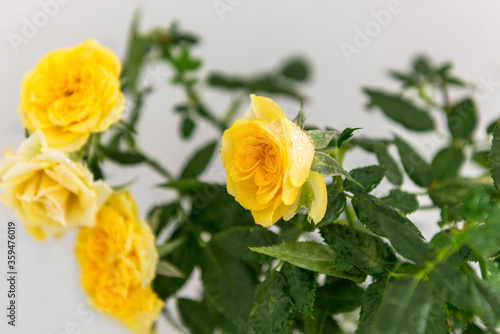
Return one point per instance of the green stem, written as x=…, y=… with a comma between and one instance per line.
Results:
x=92, y=155
x=155, y=165
x=484, y=268
x=446, y=97
x=428, y=207
x=350, y=217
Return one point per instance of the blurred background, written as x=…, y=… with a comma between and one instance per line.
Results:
x=237, y=37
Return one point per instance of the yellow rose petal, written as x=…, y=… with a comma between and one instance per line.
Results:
x=267, y=160
x=318, y=205
x=72, y=93
x=48, y=192
x=264, y=108
x=300, y=152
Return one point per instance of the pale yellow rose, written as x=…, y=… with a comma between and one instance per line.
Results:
x=268, y=160
x=117, y=259
x=48, y=192
x=71, y=93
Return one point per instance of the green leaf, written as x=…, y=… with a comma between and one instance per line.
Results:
x=336, y=205
x=197, y=164
x=451, y=194
x=401, y=110
x=415, y=166
x=125, y=158
x=184, y=258
x=289, y=231
x=372, y=300
x=310, y=256
x=167, y=269
x=296, y=69
x=491, y=127
x=327, y=166
x=366, y=252
x=183, y=61
x=371, y=303
x=271, y=311
x=494, y=269
x=462, y=119
x=320, y=138
x=169, y=247
x=95, y=169
x=452, y=285
x=266, y=83
x=385, y=221
x=322, y=323
x=406, y=302
x=161, y=216
x=401, y=200
x=392, y=171
x=481, y=158
x=486, y=300
x=437, y=322
x=187, y=127
x=447, y=163
x=369, y=177
x=345, y=135
x=483, y=238
x=228, y=282
x=214, y=210
x=196, y=316
x=339, y=297
x=422, y=65
x=473, y=329
x=379, y=147
x=476, y=205
x=300, y=286
x=137, y=49
x=494, y=157
x=237, y=241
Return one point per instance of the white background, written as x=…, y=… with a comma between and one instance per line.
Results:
x=253, y=36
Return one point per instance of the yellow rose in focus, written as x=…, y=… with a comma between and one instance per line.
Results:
x=49, y=192
x=117, y=261
x=71, y=93
x=268, y=161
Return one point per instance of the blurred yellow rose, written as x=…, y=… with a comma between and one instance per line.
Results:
x=49, y=192
x=72, y=92
x=268, y=160
x=117, y=261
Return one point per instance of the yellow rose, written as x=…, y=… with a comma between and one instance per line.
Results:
x=117, y=260
x=268, y=159
x=71, y=93
x=49, y=192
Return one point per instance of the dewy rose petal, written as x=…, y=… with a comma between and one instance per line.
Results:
x=268, y=160
x=49, y=192
x=72, y=93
